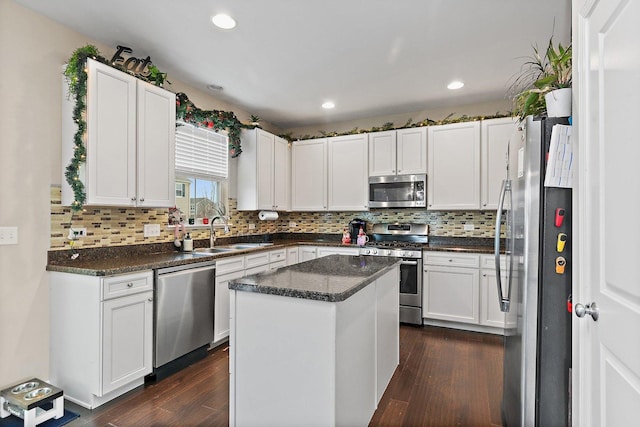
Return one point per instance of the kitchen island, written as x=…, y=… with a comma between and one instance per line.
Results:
x=313, y=344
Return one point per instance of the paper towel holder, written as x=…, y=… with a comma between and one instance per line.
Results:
x=267, y=215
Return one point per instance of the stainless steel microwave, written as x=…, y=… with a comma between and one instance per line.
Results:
x=397, y=191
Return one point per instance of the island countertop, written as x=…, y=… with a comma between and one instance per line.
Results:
x=332, y=278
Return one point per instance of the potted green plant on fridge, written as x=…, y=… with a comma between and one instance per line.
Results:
x=544, y=83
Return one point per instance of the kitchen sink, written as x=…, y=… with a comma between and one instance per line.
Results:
x=217, y=250
x=249, y=245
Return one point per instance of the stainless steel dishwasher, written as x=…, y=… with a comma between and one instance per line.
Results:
x=184, y=310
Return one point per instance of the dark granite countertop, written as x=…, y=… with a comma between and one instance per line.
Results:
x=332, y=278
x=125, y=259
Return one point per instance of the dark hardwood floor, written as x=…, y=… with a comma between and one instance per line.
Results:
x=445, y=378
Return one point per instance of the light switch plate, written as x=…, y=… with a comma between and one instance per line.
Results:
x=469, y=227
x=8, y=235
x=252, y=226
x=151, y=230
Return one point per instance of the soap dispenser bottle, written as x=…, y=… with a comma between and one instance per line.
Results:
x=187, y=244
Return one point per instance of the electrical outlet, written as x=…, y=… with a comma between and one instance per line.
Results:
x=469, y=227
x=76, y=233
x=252, y=226
x=151, y=230
x=8, y=235
x=292, y=224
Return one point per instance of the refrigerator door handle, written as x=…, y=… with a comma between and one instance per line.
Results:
x=502, y=300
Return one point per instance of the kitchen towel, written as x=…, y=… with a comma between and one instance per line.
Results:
x=268, y=215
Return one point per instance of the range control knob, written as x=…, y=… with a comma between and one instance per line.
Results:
x=367, y=251
x=375, y=252
x=387, y=252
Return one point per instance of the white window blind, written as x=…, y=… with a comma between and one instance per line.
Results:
x=201, y=152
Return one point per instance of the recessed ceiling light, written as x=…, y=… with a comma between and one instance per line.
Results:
x=223, y=21
x=456, y=84
x=328, y=105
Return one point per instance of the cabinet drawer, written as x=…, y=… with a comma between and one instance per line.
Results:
x=451, y=259
x=489, y=262
x=257, y=270
x=126, y=284
x=278, y=255
x=254, y=260
x=278, y=264
x=229, y=265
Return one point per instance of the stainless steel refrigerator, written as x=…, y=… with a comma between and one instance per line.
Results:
x=536, y=285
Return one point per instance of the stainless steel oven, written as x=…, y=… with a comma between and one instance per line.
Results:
x=403, y=241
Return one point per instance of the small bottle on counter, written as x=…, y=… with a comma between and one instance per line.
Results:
x=187, y=244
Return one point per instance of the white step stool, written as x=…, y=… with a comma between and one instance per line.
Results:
x=24, y=400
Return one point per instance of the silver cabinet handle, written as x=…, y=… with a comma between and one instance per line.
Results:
x=142, y=199
x=590, y=309
x=150, y=299
x=129, y=285
x=133, y=199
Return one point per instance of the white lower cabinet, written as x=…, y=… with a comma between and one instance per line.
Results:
x=460, y=291
x=232, y=268
x=101, y=334
x=305, y=253
x=221, y=314
x=452, y=293
x=490, y=313
x=292, y=255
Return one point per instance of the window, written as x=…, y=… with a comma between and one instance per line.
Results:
x=181, y=189
x=202, y=163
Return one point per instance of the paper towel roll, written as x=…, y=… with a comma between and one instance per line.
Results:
x=268, y=215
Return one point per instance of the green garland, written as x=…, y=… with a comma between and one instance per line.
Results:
x=389, y=126
x=212, y=119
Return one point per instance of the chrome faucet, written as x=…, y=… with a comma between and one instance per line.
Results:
x=212, y=231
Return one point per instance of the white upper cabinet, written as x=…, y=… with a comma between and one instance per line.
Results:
x=398, y=152
x=382, y=153
x=309, y=175
x=156, y=146
x=263, y=171
x=348, y=173
x=495, y=137
x=453, y=179
x=411, y=151
x=130, y=141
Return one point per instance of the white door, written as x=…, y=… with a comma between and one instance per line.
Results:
x=606, y=352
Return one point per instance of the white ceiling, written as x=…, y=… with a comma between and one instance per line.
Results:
x=286, y=57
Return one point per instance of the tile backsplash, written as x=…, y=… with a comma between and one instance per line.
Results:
x=114, y=226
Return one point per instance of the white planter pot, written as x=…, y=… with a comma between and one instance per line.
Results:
x=558, y=103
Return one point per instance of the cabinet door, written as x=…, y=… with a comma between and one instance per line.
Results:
x=281, y=175
x=309, y=175
x=110, y=177
x=156, y=146
x=451, y=293
x=348, y=178
x=454, y=166
x=264, y=165
x=127, y=339
x=411, y=150
x=382, y=153
x=221, y=313
x=490, y=314
x=306, y=253
x=495, y=137
x=292, y=256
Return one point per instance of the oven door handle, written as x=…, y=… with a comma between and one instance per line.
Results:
x=409, y=263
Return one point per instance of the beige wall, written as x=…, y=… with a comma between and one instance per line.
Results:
x=501, y=106
x=33, y=50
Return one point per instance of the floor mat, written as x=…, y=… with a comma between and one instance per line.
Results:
x=13, y=421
